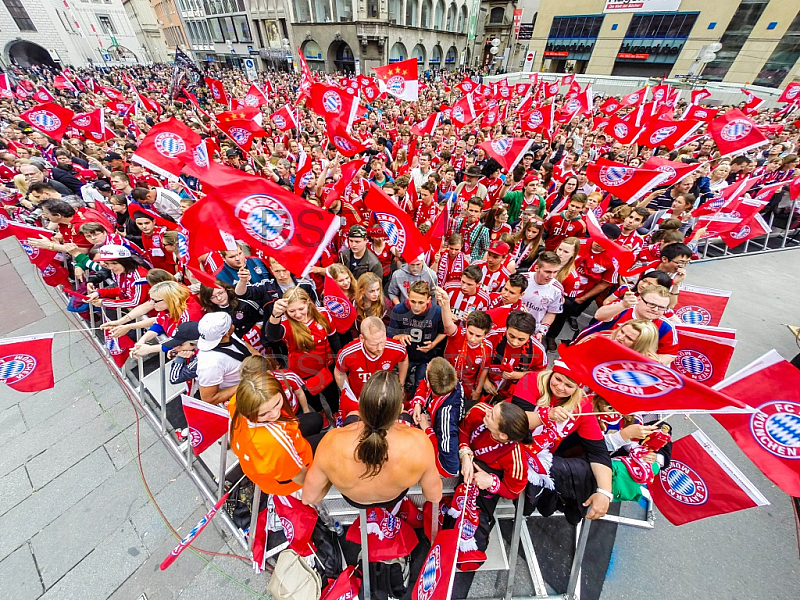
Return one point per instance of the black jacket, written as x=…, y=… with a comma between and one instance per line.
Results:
x=369, y=262
x=67, y=179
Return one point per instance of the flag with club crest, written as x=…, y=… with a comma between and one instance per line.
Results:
x=60, y=82
x=217, y=89
x=112, y=94
x=703, y=357
x=700, y=113
x=51, y=119
x=303, y=172
x=632, y=383
x=5, y=86
x=243, y=132
x=622, y=129
x=341, y=309
x=735, y=133
x=610, y=106
x=162, y=148
x=93, y=125
x=332, y=103
x=399, y=79
x=770, y=437
x=507, y=151
x=550, y=89
x=635, y=98
x=285, y=118
x=701, y=482
x=207, y=423
x=465, y=111
x=752, y=102
x=672, y=134
x=348, y=172
x=254, y=96
x=43, y=96
x=539, y=120
x=428, y=126
x=298, y=522
x=344, y=587
x=675, y=170
x=791, y=93
x=345, y=143
x=750, y=228
x=397, y=224
x=701, y=305
x=26, y=364
x=626, y=183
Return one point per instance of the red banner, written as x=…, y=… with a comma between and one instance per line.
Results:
x=207, y=423
x=701, y=306
x=399, y=227
x=26, y=364
x=704, y=358
x=342, y=311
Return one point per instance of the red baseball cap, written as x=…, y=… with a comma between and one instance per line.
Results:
x=499, y=248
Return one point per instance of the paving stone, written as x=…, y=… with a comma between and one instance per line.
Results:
x=14, y=488
x=104, y=569
x=122, y=447
x=11, y=422
x=19, y=576
x=14, y=292
x=211, y=585
x=43, y=506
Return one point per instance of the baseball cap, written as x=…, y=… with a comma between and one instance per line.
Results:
x=112, y=252
x=357, y=231
x=102, y=186
x=377, y=232
x=611, y=230
x=186, y=332
x=112, y=156
x=232, y=152
x=499, y=248
x=212, y=328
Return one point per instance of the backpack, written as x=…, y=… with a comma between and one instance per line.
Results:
x=293, y=579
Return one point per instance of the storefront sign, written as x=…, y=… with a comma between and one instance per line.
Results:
x=517, y=21
x=525, y=31
x=623, y=6
x=629, y=56
x=549, y=54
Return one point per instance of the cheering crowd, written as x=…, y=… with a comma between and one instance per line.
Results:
x=463, y=236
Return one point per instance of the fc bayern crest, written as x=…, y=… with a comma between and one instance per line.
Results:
x=490, y=119
x=3, y=222
x=332, y=102
x=48, y=271
x=29, y=250
x=239, y=134
x=634, y=98
x=700, y=114
x=637, y=378
x=395, y=233
x=458, y=113
x=742, y=233
x=777, y=428
x=431, y=573
x=662, y=133
x=195, y=437
x=693, y=364
x=501, y=146
x=279, y=121
x=614, y=176
x=45, y=120
x=303, y=181
x=467, y=86
x=16, y=367
x=390, y=525
x=573, y=105
x=83, y=121
x=658, y=95
x=668, y=170
x=620, y=130
x=288, y=529
x=792, y=92
x=169, y=144
x=396, y=84
x=343, y=143
x=200, y=156
x=693, y=315
x=266, y=219
x=250, y=100
x=336, y=307
x=682, y=483
x=535, y=119
x=183, y=245
x=736, y=130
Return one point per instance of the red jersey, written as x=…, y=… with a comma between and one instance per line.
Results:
x=308, y=363
x=291, y=384
x=468, y=360
x=493, y=281
x=557, y=228
x=154, y=247
x=450, y=269
x=461, y=304
x=496, y=234
x=594, y=267
x=424, y=213
x=131, y=290
x=531, y=356
x=633, y=240
x=493, y=187
x=354, y=362
x=458, y=162
x=572, y=284
x=385, y=257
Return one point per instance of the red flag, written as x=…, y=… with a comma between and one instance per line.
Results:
x=242, y=132
x=621, y=255
x=119, y=348
x=580, y=103
x=149, y=104
x=467, y=86
x=700, y=113
x=698, y=95
x=285, y=118
x=750, y=228
x=438, y=570
x=279, y=223
x=333, y=104
x=50, y=118
x=207, y=423
x=675, y=170
x=92, y=124
x=727, y=198
x=701, y=482
x=671, y=134
x=399, y=79
x=344, y=587
x=768, y=437
x=791, y=93
x=661, y=92
x=303, y=173
x=348, y=171
x=338, y=305
x=622, y=130
x=701, y=306
x=551, y=89
x=503, y=90
x=42, y=95
x=752, y=102
x=428, y=126
x=522, y=89
x=610, y=106
x=113, y=94
x=389, y=536
x=507, y=151
x=371, y=90
x=734, y=133
x=632, y=383
x=161, y=148
x=62, y=83
x=195, y=531
x=704, y=358
x=539, y=120
x=344, y=143
x=298, y=522
x=399, y=227
x=464, y=112
x=5, y=87
x=626, y=183
x=217, y=90
x=22, y=93
x=634, y=98
x=720, y=332
x=254, y=96
x=438, y=231
x=26, y=364
x=119, y=107
x=306, y=78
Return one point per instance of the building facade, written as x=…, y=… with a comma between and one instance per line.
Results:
x=760, y=38
x=356, y=35
x=75, y=32
x=145, y=24
x=170, y=23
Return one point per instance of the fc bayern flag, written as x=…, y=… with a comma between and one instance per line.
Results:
x=279, y=223
x=42, y=95
x=242, y=132
x=507, y=151
x=770, y=437
x=285, y=118
x=626, y=183
x=298, y=522
x=51, y=119
x=634, y=98
x=338, y=305
x=344, y=587
x=551, y=89
x=624, y=258
x=701, y=482
x=752, y=102
x=610, y=106
x=700, y=305
x=401, y=232
x=303, y=172
x=675, y=170
x=735, y=133
x=113, y=94
x=539, y=120
x=428, y=126
x=119, y=348
x=348, y=172
x=438, y=571
x=162, y=147
x=60, y=82
x=633, y=384
x=720, y=332
x=791, y=93
x=333, y=104
x=671, y=134
x=207, y=423
x=26, y=364
x=217, y=90
x=399, y=79
x=92, y=124
x=254, y=96
x=622, y=130
x=5, y=86
x=700, y=113
x=704, y=358
x=750, y=228
x=467, y=86
x=344, y=142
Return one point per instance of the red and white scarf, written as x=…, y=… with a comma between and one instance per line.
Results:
x=444, y=267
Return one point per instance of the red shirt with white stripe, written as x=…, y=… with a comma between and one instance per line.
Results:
x=633, y=240
x=468, y=360
x=462, y=304
x=359, y=366
x=493, y=281
x=557, y=228
x=594, y=267
x=424, y=213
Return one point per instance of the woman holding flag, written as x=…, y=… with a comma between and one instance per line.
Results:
x=130, y=273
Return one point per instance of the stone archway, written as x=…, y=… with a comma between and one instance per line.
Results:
x=28, y=54
x=341, y=57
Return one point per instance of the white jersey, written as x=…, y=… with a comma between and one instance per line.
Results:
x=542, y=299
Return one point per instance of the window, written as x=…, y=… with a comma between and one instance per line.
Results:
x=20, y=15
x=242, y=28
x=66, y=23
x=228, y=28
x=216, y=30
x=496, y=16
x=783, y=58
x=372, y=9
x=734, y=38
x=667, y=25
x=576, y=27
x=106, y=24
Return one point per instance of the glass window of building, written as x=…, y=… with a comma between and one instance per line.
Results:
x=242, y=28
x=783, y=58
x=496, y=16
x=20, y=15
x=734, y=38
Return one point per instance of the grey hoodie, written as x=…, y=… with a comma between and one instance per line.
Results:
x=402, y=280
